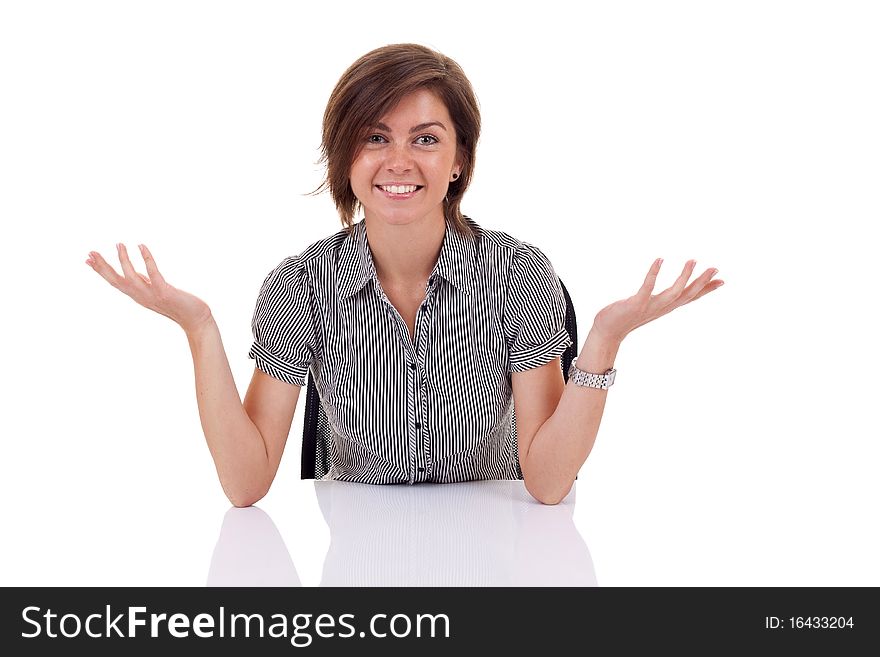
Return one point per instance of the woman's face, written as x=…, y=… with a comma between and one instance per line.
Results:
x=403, y=171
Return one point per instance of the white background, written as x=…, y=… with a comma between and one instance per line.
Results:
x=739, y=445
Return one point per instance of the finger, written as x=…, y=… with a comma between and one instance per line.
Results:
x=702, y=291
x=712, y=285
x=671, y=294
x=650, y=279
x=152, y=269
x=691, y=291
x=127, y=267
x=96, y=261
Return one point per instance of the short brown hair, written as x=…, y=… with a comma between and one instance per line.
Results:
x=373, y=86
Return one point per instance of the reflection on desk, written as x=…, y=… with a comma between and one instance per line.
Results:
x=482, y=533
x=251, y=552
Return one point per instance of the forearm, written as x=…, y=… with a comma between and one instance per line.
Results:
x=234, y=441
x=564, y=441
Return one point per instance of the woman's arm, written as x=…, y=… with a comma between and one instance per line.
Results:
x=557, y=423
x=246, y=440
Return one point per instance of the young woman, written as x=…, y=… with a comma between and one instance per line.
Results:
x=422, y=330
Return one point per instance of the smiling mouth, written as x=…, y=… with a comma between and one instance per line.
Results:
x=400, y=190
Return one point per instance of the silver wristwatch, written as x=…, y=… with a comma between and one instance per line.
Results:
x=581, y=378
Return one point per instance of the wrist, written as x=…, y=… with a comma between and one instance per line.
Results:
x=598, y=353
x=199, y=327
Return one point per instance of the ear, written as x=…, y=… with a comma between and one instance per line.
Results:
x=459, y=163
x=456, y=171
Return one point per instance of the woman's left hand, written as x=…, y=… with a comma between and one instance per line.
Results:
x=617, y=320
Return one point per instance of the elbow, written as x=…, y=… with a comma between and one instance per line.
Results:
x=244, y=502
x=245, y=498
x=549, y=500
x=547, y=494
x=244, y=488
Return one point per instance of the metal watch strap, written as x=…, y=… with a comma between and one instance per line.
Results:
x=589, y=380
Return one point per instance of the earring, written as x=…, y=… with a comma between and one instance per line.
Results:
x=454, y=176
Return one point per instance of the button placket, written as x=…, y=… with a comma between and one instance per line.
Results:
x=412, y=437
x=423, y=323
x=417, y=436
x=412, y=429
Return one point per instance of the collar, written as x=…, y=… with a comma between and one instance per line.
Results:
x=455, y=263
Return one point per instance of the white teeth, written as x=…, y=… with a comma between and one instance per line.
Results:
x=399, y=189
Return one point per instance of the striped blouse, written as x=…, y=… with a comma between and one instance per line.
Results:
x=436, y=407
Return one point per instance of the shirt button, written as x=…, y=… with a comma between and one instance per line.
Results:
x=418, y=425
x=421, y=469
x=412, y=366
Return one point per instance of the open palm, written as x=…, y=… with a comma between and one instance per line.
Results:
x=621, y=317
x=152, y=291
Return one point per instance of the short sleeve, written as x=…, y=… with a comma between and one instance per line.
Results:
x=534, y=315
x=282, y=325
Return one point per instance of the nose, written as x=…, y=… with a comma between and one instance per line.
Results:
x=398, y=158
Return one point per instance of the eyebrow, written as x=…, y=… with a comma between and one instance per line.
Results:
x=420, y=126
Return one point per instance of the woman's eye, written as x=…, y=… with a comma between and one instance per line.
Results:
x=375, y=139
x=426, y=140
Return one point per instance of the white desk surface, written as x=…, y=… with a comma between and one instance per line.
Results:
x=102, y=527
x=484, y=533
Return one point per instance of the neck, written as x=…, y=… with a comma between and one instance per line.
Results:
x=405, y=255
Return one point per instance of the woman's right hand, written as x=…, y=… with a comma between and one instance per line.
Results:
x=151, y=291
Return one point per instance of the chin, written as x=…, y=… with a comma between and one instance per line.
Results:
x=397, y=217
